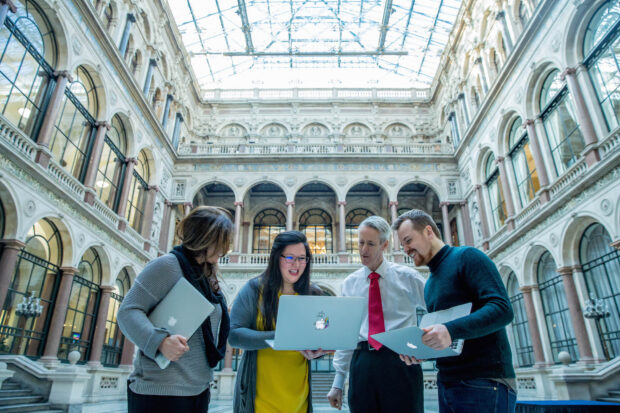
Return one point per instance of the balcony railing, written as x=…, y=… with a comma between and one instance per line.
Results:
x=352, y=94
x=287, y=149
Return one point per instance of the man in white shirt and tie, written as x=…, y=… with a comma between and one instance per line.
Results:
x=377, y=380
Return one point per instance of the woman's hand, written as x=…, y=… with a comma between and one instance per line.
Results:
x=312, y=354
x=173, y=347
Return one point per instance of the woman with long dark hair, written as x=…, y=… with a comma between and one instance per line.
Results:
x=183, y=386
x=270, y=381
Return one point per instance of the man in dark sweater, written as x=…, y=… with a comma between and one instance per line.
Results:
x=481, y=378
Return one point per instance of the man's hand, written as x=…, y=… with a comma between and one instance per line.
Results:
x=335, y=398
x=409, y=360
x=436, y=337
x=173, y=347
x=312, y=354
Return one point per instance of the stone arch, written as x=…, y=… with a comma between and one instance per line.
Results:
x=424, y=181
x=381, y=185
x=480, y=161
x=327, y=183
x=503, y=146
x=100, y=91
x=66, y=235
x=129, y=129
x=571, y=234
x=534, y=86
x=150, y=157
x=575, y=32
x=198, y=187
x=264, y=180
x=530, y=263
x=106, y=266
x=58, y=25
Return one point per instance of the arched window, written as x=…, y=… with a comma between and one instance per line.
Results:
x=112, y=164
x=523, y=163
x=353, y=219
x=267, y=225
x=496, y=193
x=601, y=269
x=79, y=325
x=600, y=50
x=75, y=127
x=108, y=17
x=560, y=122
x=317, y=225
x=524, y=14
x=37, y=274
x=138, y=191
x=135, y=62
x=113, y=342
x=555, y=307
x=520, y=329
x=28, y=57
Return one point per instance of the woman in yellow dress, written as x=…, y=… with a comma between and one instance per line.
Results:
x=270, y=381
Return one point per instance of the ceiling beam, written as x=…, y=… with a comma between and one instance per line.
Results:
x=387, y=12
x=245, y=26
x=307, y=54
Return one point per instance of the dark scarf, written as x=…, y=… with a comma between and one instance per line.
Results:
x=193, y=273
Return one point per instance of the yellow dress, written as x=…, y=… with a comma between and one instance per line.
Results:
x=281, y=379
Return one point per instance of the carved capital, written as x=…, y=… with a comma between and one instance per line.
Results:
x=342, y=203
x=238, y=204
x=565, y=271
x=63, y=73
x=103, y=124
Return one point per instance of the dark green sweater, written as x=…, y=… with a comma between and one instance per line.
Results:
x=461, y=275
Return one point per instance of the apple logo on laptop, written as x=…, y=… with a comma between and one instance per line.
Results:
x=322, y=321
x=172, y=321
x=411, y=345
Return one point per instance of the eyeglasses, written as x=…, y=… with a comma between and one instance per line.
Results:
x=290, y=259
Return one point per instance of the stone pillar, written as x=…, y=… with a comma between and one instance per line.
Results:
x=501, y=17
x=394, y=215
x=164, y=120
x=446, y=223
x=585, y=120
x=122, y=202
x=129, y=349
x=228, y=358
x=483, y=218
x=5, y=7
x=341, y=227
x=246, y=237
x=93, y=163
x=50, y=354
x=238, y=213
x=177, y=130
x=51, y=113
x=469, y=232
x=187, y=208
x=464, y=108
x=483, y=76
x=289, y=214
x=147, y=218
x=576, y=315
x=532, y=323
x=149, y=76
x=165, y=226
x=122, y=48
x=100, y=326
x=543, y=192
x=10, y=253
x=510, y=207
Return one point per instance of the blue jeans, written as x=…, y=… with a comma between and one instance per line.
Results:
x=475, y=396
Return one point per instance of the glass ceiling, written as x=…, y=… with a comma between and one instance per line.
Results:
x=314, y=43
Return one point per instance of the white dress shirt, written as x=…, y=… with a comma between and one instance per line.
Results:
x=402, y=292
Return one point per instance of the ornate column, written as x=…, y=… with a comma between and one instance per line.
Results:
x=342, y=245
x=100, y=326
x=43, y=156
x=10, y=253
x=54, y=332
x=149, y=76
x=122, y=202
x=238, y=212
x=446, y=223
x=165, y=226
x=129, y=349
x=576, y=315
x=394, y=214
x=585, y=120
x=93, y=163
x=122, y=48
x=289, y=214
x=469, y=232
x=5, y=7
x=246, y=237
x=543, y=192
x=164, y=120
x=147, y=218
x=510, y=208
x=483, y=75
x=187, y=208
x=532, y=323
x=483, y=217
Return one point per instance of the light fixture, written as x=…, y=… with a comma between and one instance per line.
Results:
x=102, y=184
x=24, y=112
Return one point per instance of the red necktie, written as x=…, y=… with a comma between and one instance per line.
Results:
x=375, y=311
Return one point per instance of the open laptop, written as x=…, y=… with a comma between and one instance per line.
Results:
x=181, y=312
x=307, y=322
x=408, y=340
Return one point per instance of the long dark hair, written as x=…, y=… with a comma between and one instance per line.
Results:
x=271, y=279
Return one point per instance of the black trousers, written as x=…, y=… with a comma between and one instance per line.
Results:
x=379, y=382
x=144, y=403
